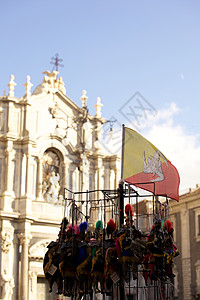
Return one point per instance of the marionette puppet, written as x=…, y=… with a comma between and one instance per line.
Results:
x=68, y=260
x=128, y=257
x=52, y=258
x=137, y=245
x=84, y=262
x=97, y=270
x=171, y=250
x=112, y=265
x=155, y=245
x=148, y=267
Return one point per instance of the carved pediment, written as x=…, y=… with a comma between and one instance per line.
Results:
x=39, y=249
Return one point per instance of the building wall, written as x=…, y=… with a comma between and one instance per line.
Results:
x=185, y=213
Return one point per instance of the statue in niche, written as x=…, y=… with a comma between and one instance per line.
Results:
x=51, y=177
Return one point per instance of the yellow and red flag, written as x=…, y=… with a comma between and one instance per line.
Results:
x=146, y=167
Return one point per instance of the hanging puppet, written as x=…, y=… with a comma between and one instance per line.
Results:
x=171, y=250
x=97, y=270
x=68, y=259
x=112, y=265
x=155, y=245
x=84, y=262
x=51, y=260
x=128, y=257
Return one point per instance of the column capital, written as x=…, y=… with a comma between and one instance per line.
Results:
x=24, y=238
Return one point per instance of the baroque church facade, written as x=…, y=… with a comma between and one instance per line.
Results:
x=47, y=144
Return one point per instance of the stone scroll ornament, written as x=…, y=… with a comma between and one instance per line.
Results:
x=6, y=241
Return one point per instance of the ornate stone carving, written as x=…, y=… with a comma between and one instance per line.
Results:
x=6, y=241
x=84, y=99
x=32, y=276
x=24, y=239
x=39, y=249
x=98, y=106
x=50, y=83
x=7, y=283
x=28, y=85
x=11, y=86
x=54, y=111
x=51, y=177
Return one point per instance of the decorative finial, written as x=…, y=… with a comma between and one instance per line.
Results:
x=61, y=85
x=11, y=86
x=98, y=106
x=84, y=99
x=4, y=93
x=28, y=85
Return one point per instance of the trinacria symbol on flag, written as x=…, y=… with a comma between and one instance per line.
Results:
x=154, y=165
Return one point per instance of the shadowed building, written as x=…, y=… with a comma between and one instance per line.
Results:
x=185, y=216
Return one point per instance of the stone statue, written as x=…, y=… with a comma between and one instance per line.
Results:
x=52, y=187
x=7, y=283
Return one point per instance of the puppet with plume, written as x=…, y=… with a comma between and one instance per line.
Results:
x=171, y=250
x=112, y=266
x=51, y=260
x=128, y=257
x=84, y=262
x=97, y=270
x=68, y=259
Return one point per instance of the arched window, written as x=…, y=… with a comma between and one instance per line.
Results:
x=51, y=176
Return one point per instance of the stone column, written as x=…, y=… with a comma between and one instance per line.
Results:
x=8, y=193
x=7, y=167
x=117, y=172
x=27, y=174
x=65, y=167
x=26, y=200
x=39, y=179
x=9, y=155
x=23, y=288
x=185, y=253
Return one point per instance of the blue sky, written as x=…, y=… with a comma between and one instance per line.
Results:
x=114, y=49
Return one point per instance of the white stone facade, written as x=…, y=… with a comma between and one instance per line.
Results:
x=47, y=143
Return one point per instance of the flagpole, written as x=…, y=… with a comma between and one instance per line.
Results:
x=121, y=204
x=122, y=154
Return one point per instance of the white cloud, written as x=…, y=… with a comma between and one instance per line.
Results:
x=179, y=147
x=182, y=76
x=164, y=115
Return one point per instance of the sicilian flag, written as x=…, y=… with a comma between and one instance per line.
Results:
x=146, y=167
